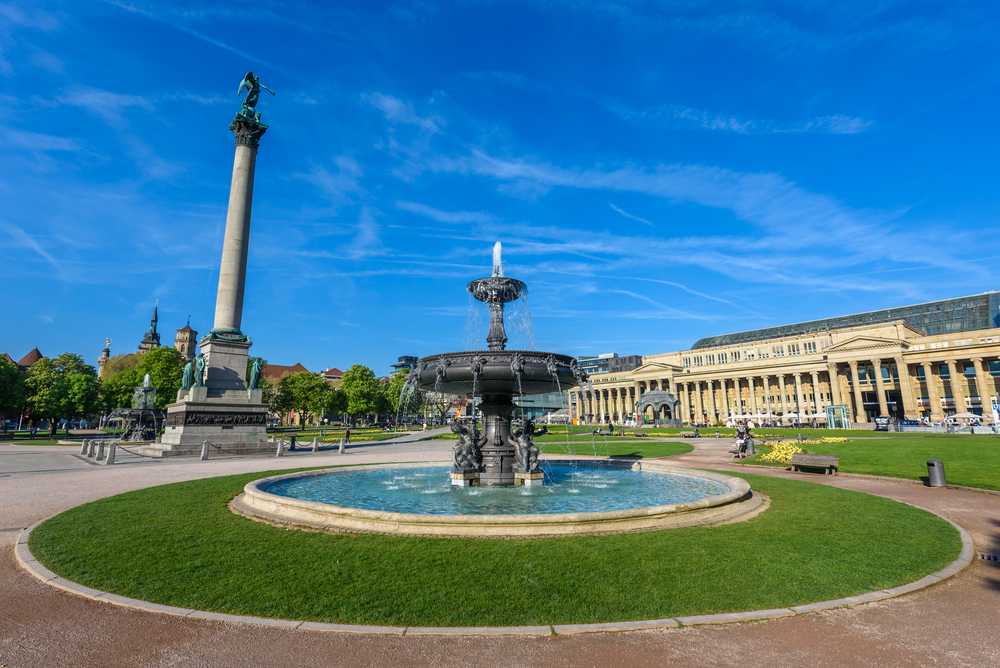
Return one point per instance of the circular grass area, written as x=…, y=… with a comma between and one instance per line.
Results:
x=180, y=545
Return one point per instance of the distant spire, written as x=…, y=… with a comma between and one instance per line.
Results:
x=152, y=322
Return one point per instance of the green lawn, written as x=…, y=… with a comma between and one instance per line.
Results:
x=179, y=545
x=971, y=461
x=612, y=447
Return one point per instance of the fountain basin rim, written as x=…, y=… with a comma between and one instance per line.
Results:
x=260, y=505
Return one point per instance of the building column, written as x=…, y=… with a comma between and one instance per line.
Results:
x=859, y=402
x=957, y=386
x=932, y=393
x=817, y=395
x=685, y=402
x=781, y=399
x=985, y=401
x=798, y=393
x=698, y=406
x=910, y=411
x=831, y=372
x=883, y=407
x=713, y=414
x=767, y=394
x=752, y=404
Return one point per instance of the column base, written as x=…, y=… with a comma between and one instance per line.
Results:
x=529, y=479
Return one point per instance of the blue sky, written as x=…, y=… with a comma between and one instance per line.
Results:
x=656, y=172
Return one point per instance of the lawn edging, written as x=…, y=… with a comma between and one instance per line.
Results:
x=869, y=476
x=28, y=562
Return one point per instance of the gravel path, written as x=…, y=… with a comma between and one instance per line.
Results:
x=950, y=624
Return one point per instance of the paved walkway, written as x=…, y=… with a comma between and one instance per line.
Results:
x=950, y=624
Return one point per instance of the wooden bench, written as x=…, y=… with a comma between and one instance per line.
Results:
x=772, y=440
x=640, y=434
x=687, y=434
x=804, y=459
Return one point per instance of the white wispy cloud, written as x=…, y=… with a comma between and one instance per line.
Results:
x=34, y=141
x=457, y=217
x=366, y=242
x=398, y=111
x=18, y=238
x=679, y=116
x=629, y=215
x=336, y=186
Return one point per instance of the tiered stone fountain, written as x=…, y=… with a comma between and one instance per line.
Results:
x=503, y=454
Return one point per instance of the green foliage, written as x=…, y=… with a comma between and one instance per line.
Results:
x=362, y=390
x=117, y=389
x=62, y=387
x=13, y=391
x=815, y=543
x=165, y=366
x=307, y=393
x=121, y=362
x=392, y=391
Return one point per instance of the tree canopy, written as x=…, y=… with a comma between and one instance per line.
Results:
x=13, y=391
x=362, y=390
x=64, y=387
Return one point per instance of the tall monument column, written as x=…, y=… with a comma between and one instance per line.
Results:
x=236, y=245
x=214, y=403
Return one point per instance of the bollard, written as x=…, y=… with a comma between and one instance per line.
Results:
x=111, y=455
x=281, y=449
x=83, y=450
x=800, y=437
x=291, y=445
x=100, y=452
x=935, y=473
x=90, y=449
x=204, y=450
x=341, y=446
x=315, y=445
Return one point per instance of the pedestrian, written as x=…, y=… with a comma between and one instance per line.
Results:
x=347, y=435
x=34, y=430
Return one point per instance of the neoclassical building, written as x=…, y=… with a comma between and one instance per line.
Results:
x=928, y=360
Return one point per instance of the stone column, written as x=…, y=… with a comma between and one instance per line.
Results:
x=984, y=389
x=932, y=393
x=236, y=243
x=752, y=405
x=685, y=404
x=781, y=399
x=817, y=395
x=910, y=411
x=859, y=402
x=831, y=372
x=798, y=393
x=767, y=393
x=713, y=413
x=957, y=386
x=699, y=412
x=883, y=407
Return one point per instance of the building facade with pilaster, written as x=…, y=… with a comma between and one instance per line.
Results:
x=922, y=361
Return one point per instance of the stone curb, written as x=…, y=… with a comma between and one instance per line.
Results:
x=28, y=562
x=868, y=476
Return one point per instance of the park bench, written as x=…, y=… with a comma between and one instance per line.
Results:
x=687, y=434
x=804, y=459
x=772, y=440
x=640, y=434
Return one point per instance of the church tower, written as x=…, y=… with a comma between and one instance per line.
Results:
x=151, y=339
x=186, y=341
x=103, y=359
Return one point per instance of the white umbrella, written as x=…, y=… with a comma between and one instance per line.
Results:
x=965, y=416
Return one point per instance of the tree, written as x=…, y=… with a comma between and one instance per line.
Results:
x=117, y=390
x=393, y=391
x=362, y=390
x=54, y=395
x=121, y=362
x=165, y=367
x=77, y=395
x=277, y=396
x=307, y=392
x=12, y=391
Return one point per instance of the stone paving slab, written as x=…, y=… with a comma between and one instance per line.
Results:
x=735, y=617
x=353, y=628
x=124, y=601
x=607, y=627
x=479, y=630
x=220, y=617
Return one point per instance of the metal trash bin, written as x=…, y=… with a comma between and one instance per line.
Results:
x=935, y=472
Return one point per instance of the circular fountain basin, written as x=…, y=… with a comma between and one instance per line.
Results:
x=496, y=376
x=579, y=497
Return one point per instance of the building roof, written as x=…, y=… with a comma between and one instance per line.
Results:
x=8, y=358
x=31, y=357
x=333, y=372
x=277, y=371
x=185, y=328
x=962, y=314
